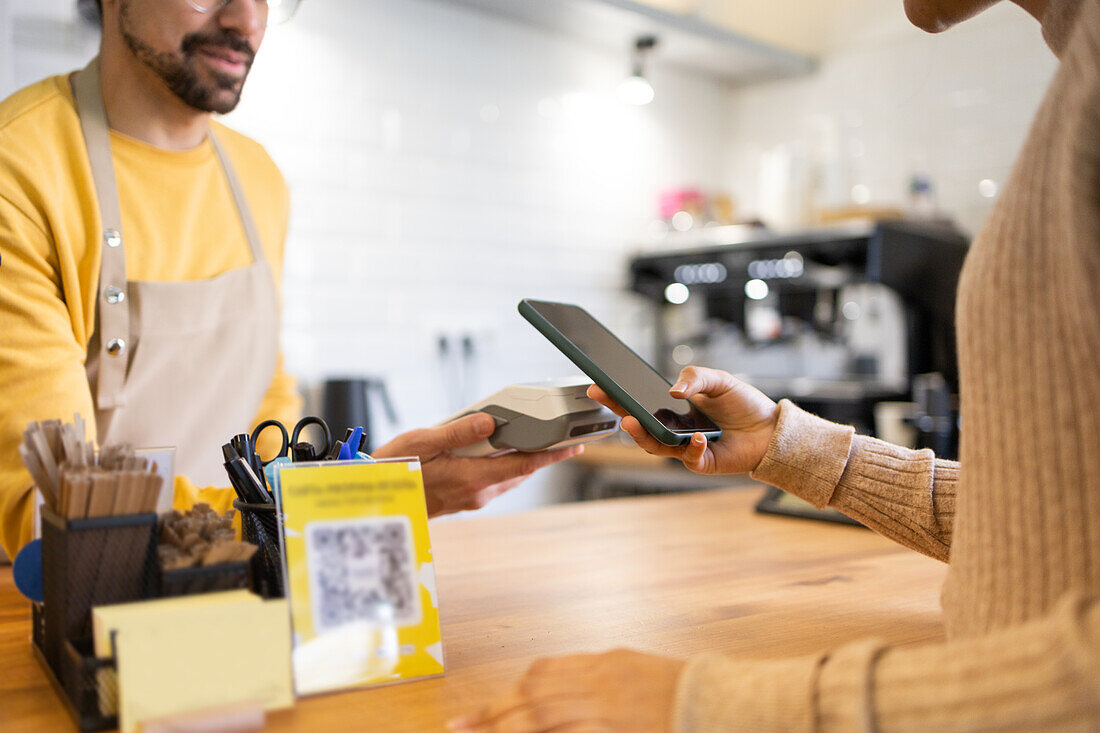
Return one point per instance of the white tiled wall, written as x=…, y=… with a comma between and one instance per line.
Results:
x=443, y=165
x=897, y=101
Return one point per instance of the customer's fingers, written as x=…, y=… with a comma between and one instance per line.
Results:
x=647, y=442
x=552, y=677
x=543, y=716
x=695, y=380
x=486, y=719
x=695, y=455
x=597, y=393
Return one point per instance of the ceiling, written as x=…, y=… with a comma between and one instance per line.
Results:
x=736, y=41
x=688, y=40
x=810, y=27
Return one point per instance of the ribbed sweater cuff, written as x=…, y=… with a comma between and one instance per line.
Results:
x=717, y=693
x=845, y=687
x=806, y=455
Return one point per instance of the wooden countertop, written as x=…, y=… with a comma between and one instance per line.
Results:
x=674, y=575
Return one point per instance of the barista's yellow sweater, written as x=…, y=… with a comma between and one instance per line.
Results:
x=1020, y=522
x=180, y=223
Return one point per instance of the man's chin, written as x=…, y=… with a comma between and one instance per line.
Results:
x=212, y=98
x=221, y=92
x=223, y=102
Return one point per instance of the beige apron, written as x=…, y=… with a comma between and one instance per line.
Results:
x=182, y=364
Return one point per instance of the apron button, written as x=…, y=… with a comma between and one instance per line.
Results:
x=116, y=347
x=114, y=295
x=112, y=237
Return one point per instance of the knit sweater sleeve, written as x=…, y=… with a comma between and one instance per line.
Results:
x=1044, y=675
x=906, y=495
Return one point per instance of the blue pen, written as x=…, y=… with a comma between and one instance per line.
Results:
x=347, y=452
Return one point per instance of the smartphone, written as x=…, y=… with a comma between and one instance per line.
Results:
x=622, y=374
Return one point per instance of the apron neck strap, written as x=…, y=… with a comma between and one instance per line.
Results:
x=112, y=301
x=247, y=222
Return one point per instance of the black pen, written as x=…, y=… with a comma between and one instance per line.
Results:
x=258, y=484
x=242, y=494
x=242, y=473
x=303, y=452
x=335, y=451
x=258, y=469
x=242, y=443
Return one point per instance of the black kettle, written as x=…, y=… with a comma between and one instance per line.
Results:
x=346, y=403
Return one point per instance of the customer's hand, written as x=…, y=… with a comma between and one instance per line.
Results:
x=621, y=691
x=453, y=484
x=745, y=414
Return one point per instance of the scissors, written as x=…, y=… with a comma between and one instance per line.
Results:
x=296, y=450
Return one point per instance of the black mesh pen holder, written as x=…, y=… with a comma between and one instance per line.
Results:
x=188, y=581
x=90, y=685
x=38, y=626
x=87, y=685
x=97, y=561
x=260, y=526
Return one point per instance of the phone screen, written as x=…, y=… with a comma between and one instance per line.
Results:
x=637, y=378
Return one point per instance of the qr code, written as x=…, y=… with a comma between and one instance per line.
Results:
x=362, y=570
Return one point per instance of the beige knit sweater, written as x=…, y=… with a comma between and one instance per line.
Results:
x=1020, y=521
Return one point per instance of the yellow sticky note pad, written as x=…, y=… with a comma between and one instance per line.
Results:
x=179, y=656
x=106, y=619
x=360, y=577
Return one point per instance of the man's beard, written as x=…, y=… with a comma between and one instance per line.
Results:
x=180, y=74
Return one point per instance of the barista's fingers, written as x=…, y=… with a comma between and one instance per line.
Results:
x=462, y=432
x=596, y=393
x=647, y=442
x=430, y=442
x=491, y=471
x=482, y=497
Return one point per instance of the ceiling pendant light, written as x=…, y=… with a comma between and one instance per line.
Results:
x=636, y=89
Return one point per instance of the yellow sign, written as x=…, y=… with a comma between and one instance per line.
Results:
x=359, y=574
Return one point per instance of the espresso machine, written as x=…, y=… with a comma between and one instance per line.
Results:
x=845, y=320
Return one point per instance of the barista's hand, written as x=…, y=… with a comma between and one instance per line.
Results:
x=745, y=414
x=453, y=484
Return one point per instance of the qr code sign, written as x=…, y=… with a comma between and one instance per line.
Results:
x=362, y=570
